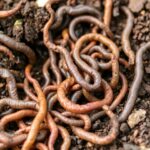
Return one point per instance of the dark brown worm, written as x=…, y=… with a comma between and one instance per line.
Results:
x=95, y=139
x=52, y=101
x=134, y=89
x=54, y=132
x=46, y=73
x=105, y=41
x=8, y=13
x=116, y=101
x=108, y=12
x=72, y=67
x=73, y=11
x=89, y=19
x=17, y=104
x=66, y=138
x=41, y=113
x=126, y=35
x=6, y=51
x=68, y=105
x=11, y=83
x=18, y=46
x=76, y=96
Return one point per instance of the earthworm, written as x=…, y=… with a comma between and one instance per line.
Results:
x=73, y=11
x=15, y=116
x=134, y=89
x=108, y=12
x=68, y=105
x=6, y=51
x=73, y=69
x=54, y=131
x=89, y=19
x=116, y=101
x=11, y=83
x=41, y=113
x=28, y=91
x=95, y=139
x=8, y=13
x=41, y=146
x=76, y=96
x=18, y=46
x=66, y=138
x=17, y=104
x=126, y=34
x=109, y=44
x=52, y=101
x=46, y=73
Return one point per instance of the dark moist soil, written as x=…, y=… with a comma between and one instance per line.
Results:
x=30, y=31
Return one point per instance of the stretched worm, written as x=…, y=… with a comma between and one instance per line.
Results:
x=41, y=113
x=89, y=19
x=15, y=116
x=6, y=51
x=46, y=73
x=116, y=101
x=18, y=46
x=126, y=34
x=109, y=44
x=72, y=67
x=54, y=131
x=108, y=12
x=8, y=13
x=66, y=138
x=28, y=91
x=68, y=105
x=95, y=139
x=17, y=104
x=73, y=11
x=134, y=89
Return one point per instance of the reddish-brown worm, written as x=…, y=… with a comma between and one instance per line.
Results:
x=89, y=19
x=73, y=11
x=66, y=138
x=17, y=104
x=76, y=96
x=15, y=116
x=41, y=146
x=134, y=89
x=72, y=67
x=11, y=83
x=6, y=51
x=111, y=45
x=95, y=139
x=126, y=35
x=85, y=120
x=41, y=113
x=68, y=105
x=108, y=12
x=46, y=73
x=28, y=90
x=53, y=131
x=116, y=101
x=18, y=46
x=8, y=13
x=52, y=101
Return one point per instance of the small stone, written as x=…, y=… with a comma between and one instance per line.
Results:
x=136, y=117
x=147, y=69
x=136, y=5
x=124, y=128
x=41, y=3
x=89, y=144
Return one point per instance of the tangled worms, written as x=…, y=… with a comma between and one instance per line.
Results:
x=72, y=76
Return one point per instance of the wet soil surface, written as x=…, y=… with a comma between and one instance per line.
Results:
x=30, y=31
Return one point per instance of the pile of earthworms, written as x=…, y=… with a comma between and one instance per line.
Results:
x=80, y=77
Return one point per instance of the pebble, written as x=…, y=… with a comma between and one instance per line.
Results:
x=124, y=128
x=127, y=146
x=136, y=117
x=136, y=5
